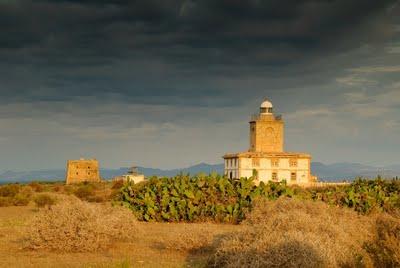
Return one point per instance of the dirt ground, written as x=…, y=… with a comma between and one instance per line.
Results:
x=150, y=251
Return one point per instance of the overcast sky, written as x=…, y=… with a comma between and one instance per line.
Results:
x=172, y=83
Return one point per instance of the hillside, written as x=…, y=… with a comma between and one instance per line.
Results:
x=328, y=172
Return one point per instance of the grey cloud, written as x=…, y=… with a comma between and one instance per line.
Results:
x=78, y=70
x=223, y=37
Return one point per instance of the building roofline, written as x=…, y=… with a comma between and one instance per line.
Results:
x=83, y=160
x=267, y=154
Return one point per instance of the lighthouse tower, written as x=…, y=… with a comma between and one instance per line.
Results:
x=266, y=159
x=266, y=130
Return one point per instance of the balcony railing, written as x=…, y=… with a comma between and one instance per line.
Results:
x=255, y=117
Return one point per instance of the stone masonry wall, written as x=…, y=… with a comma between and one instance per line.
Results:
x=82, y=170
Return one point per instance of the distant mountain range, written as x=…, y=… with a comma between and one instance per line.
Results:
x=349, y=171
x=59, y=174
x=331, y=172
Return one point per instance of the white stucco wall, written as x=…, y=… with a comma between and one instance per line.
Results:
x=265, y=169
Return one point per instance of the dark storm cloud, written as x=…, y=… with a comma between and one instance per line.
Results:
x=171, y=51
x=140, y=81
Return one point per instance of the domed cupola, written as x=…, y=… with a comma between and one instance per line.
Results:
x=266, y=107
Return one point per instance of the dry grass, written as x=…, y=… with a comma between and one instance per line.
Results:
x=385, y=249
x=293, y=233
x=146, y=249
x=192, y=237
x=77, y=226
x=15, y=195
x=43, y=200
x=282, y=233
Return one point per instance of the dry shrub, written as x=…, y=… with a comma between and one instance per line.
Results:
x=15, y=195
x=57, y=188
x=77, y=226
x=385, y=249
x=5, y=201
x=117, y=184
x=294, y=233
x=21, y=200
x=85, y=191
x=36, y=186
x=93, y=192
x=43, y=200
x=23, y=197
x=190, y=237
x=9, y=190
x=68, y=189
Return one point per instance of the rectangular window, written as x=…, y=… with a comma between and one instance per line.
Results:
x=255, y=162
x=275, y=162
x=274, y=176
x=293, y=162
x=293, y=176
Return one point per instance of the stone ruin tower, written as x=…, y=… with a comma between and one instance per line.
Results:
x=82, y=170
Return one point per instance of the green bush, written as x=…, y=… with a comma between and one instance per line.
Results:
x=192, y=199
x=43, y=200
x=203, y=198
x=363, y=195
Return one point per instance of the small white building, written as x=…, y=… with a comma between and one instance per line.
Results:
x=266, y=160
x=132, y=175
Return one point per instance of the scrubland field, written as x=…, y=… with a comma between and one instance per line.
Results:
x=202, y=221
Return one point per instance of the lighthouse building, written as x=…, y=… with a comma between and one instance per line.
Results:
x=266, y=159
